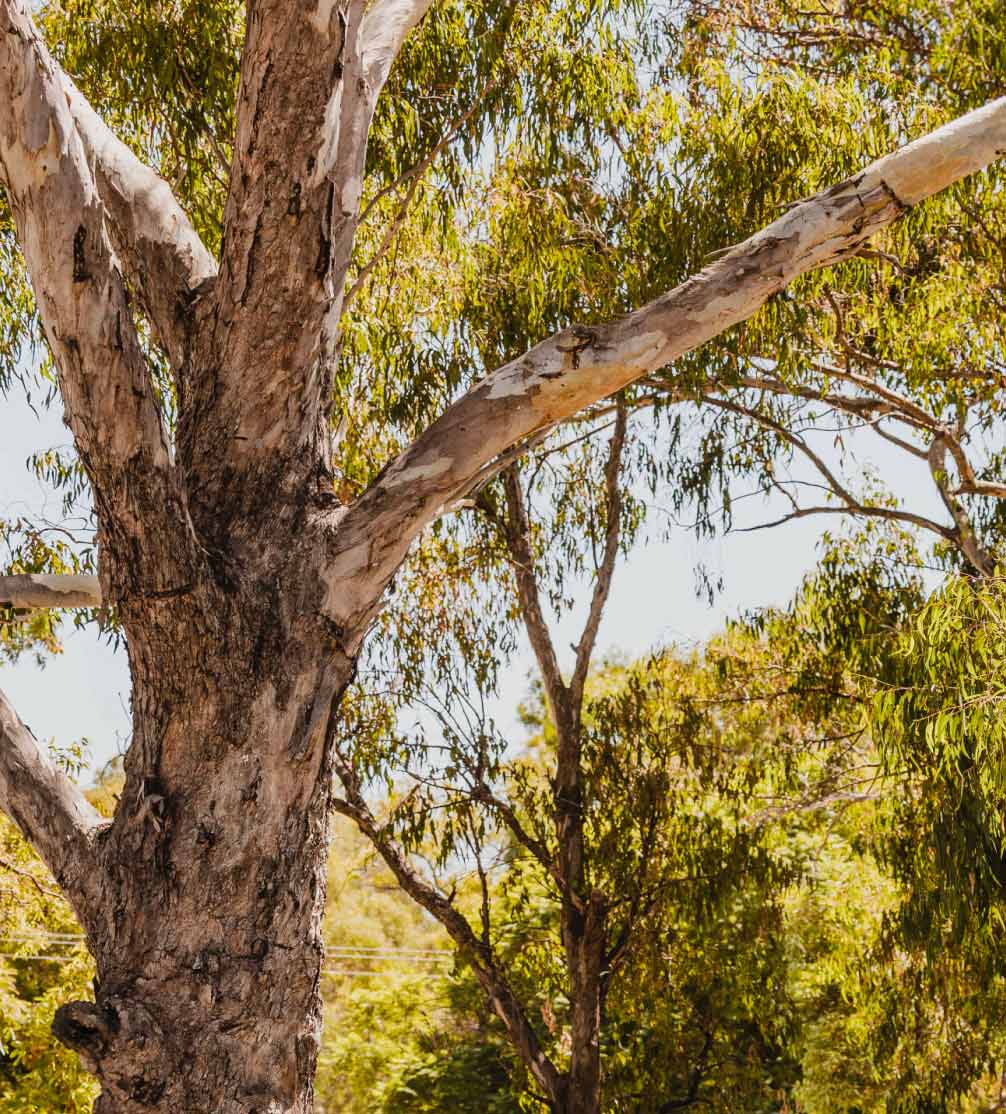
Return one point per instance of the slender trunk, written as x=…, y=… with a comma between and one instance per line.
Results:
x=583, y=1094
x=208, y=945
x=583, y=919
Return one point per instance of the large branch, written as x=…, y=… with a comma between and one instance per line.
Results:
x=103, y=376
x=33, y=591
x=52, y=814
x=166, y=259
x=580, y=365
x=386, y=27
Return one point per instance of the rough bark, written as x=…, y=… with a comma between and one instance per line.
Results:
x=244, y=591
x=207, y=935
x=258, y=395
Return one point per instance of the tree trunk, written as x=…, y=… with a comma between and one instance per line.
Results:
x=585, y=947
x=208, y=944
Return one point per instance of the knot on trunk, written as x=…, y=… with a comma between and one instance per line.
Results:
x=120, y=1042
x=87, y=1029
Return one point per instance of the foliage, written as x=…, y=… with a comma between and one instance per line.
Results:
x=535, y=164
x=414, y=1036
x=36, y=1072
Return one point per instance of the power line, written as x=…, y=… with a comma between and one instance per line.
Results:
x=329, y=972
x=77, y=938
x=428, y=961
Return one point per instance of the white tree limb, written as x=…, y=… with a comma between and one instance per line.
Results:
x=51, y=813
x=386, y=27
x=104, y=379
x=33, y=591
x=166, y=259
x=580, y=365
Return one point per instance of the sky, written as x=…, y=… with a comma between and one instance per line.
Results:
x=83, y=693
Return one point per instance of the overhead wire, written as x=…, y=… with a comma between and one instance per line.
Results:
x=429, y=961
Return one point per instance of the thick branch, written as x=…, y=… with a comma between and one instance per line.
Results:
x=260, y=393
x=580, y=365
x=166, y=260
x=387, y=25
x=49, y=810
x=31, y=590
x=104, y=379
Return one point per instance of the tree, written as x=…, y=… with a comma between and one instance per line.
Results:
x=199, y=385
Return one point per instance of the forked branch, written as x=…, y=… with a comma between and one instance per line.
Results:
x=492, y=980
x=104, y=379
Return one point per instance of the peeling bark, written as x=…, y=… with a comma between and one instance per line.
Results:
x=104, y=381
x=167, y=262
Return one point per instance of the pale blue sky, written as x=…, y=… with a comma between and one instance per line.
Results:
x=84, y=692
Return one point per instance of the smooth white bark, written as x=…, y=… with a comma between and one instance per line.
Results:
x=104, y=379
x=578, y=366
x=33, y=591
x=386, y=27
x=165, y=256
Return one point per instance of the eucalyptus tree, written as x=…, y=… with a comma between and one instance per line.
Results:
x=186, y=218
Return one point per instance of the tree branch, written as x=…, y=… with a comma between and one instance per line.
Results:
x=505, y=1003
x=103, y=376
x=850, y=504
x=581, y=365
x=31, y=591
x=260, y=396
x=166, y=259
x=602, y=584
x=386, y=27
x=517, y=535
x=51, y=813
x=982, y=562
x=537, y=848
